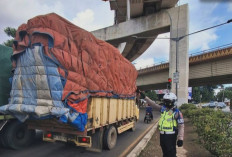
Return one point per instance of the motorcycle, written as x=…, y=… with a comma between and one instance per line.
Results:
x=148, y=117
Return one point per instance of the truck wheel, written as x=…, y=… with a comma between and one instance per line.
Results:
x=133, y=128
x=3, y=141
x=18, y=136
x=110, y=138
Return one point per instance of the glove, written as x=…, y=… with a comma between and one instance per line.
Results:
x=142, y=95
x=180, y=143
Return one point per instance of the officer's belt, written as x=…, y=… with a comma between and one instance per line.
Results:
x=167, y=132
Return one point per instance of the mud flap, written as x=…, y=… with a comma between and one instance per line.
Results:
x=97, y=141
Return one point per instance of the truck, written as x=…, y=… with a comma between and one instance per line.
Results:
x=13, y=134
x=107, y=117
x=71, y=85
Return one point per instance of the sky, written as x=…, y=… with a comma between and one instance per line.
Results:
x=95, y=14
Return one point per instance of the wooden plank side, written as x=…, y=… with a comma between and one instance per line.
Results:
x=94, y=111
x=132, y=105
x=112, y=110
x=117, y=107
x=124, y=108
x=98, y=102
x=104, y=110
x=120, y=111
x=90, y=114
x=89, y=109
x=128, y=109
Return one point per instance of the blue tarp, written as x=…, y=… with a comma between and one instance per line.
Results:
x=37, y=90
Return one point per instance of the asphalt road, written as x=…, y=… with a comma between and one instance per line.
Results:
x=45, y=149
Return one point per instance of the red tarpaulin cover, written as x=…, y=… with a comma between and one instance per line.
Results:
x=90, y=67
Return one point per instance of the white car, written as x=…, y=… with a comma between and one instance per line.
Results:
x=221, y=105
x=213, y=104
x=205, y=105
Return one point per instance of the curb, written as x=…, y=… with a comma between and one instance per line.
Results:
x=143, y=143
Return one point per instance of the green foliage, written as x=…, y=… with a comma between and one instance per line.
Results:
x=9, y=43
x=187, y=106
x=213, y=127
x=196, y=94
x=207, y=93
x=227, y=93
x=11, y=32
x=151, y=94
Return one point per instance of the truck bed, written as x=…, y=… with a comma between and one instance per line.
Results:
x=101, y=112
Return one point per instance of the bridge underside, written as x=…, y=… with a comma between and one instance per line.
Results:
x=214, y=80
x=134, y=37
x=212, y=68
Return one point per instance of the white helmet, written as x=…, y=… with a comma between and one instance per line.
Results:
x=169, y=99
x=170, y=96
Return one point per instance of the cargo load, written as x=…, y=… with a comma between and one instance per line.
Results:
x=58, y=67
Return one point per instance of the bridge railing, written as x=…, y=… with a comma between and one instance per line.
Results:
x=190, y=55
x=211, y=50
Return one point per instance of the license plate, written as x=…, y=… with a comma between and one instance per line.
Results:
x=60, y=138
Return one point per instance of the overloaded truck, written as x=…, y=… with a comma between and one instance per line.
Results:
x=13, y=134
x=71, y=85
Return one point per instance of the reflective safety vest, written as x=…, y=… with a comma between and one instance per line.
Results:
x=167, y=121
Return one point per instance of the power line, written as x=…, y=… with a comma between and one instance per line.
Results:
x=181, y=37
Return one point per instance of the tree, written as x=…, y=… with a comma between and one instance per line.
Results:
x=11, y=32
x=207, y=93
x=196, y=94
x=151, y=94
x=227, y=93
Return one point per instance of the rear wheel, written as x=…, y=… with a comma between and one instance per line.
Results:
x=110, y=138
x=133, y=128
x=3, y=141
x=17, y=135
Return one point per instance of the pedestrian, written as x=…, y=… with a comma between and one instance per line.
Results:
x=171, y=123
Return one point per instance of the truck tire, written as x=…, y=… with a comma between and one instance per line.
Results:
x=110, y=138
x=17, y=136
x=3, y=141
x=133, y=128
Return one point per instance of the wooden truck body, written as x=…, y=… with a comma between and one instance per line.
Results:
x=107, y=117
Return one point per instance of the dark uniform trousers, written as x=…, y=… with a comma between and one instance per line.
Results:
x=168, y=144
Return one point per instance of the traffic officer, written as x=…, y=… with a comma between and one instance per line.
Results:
x=171, y=123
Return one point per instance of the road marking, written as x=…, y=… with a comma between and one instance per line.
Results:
x=129, y=148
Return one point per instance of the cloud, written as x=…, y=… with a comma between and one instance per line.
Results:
x=230, y=7
x=14, y=13
x=85, y=20
x=202, y=40
x=207, y=18
x=88, y=14
x=143, y=63
x=156, y=53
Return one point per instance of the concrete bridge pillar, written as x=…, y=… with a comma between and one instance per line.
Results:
x=178, y=58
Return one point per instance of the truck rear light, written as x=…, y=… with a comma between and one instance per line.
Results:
x=84, y=139
x=48, y=135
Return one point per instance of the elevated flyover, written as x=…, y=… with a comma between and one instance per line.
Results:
x=135, y=20
x=139, y=22
x=209, y=68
